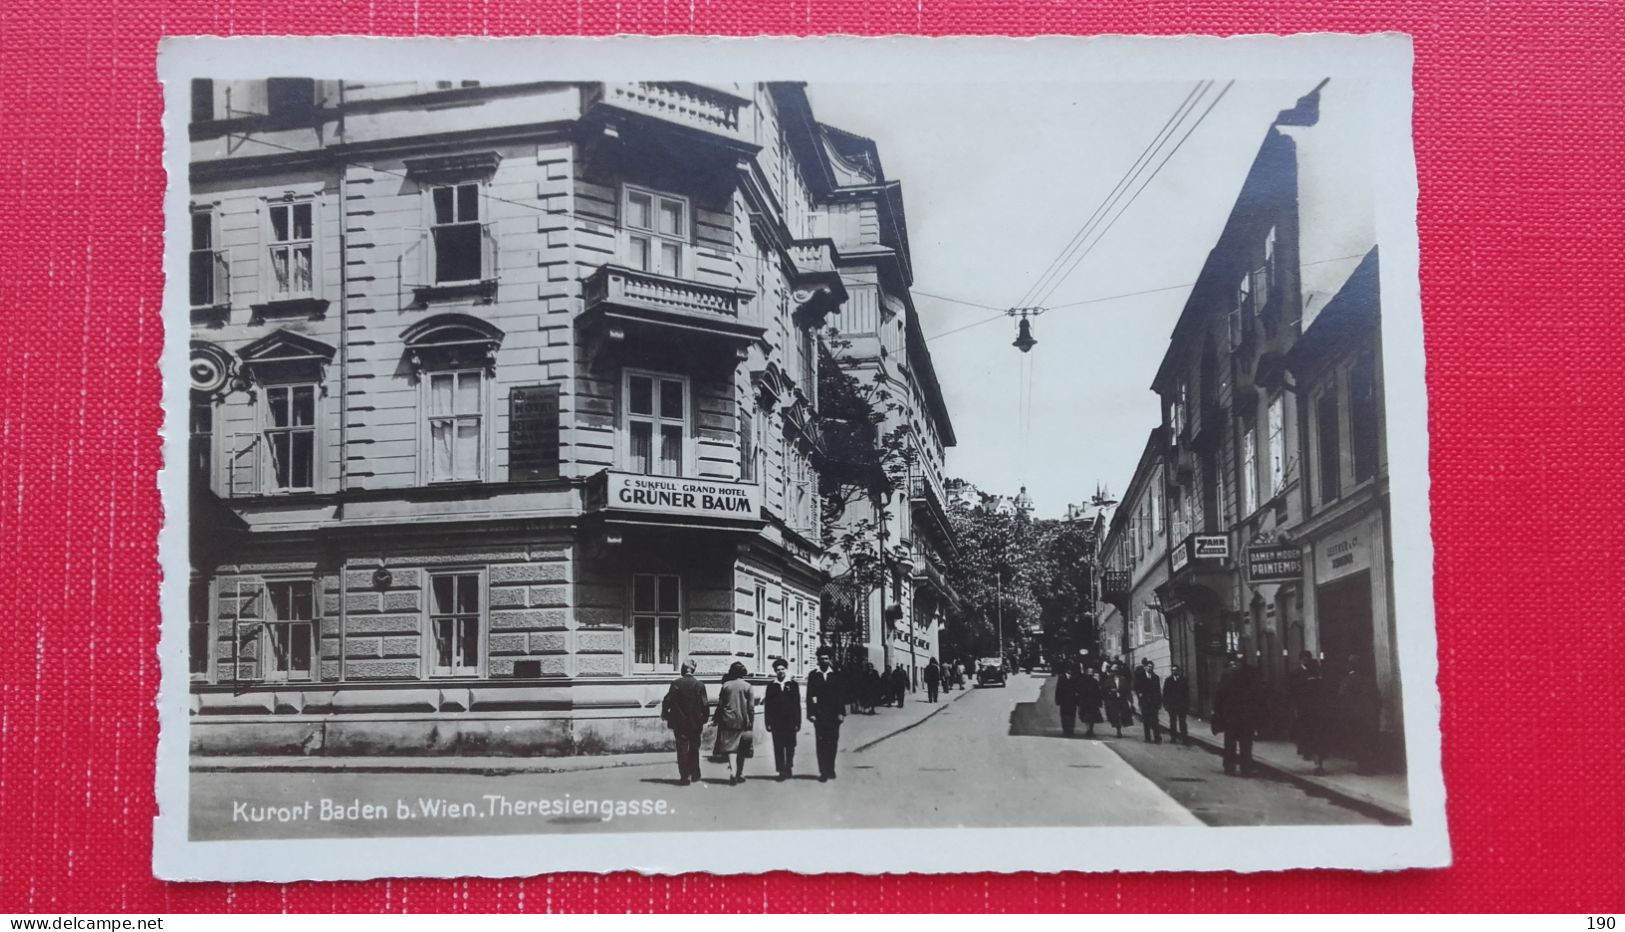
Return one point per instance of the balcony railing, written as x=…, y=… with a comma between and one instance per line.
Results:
x=210, y=284
x=618, y=286
x=813, y=256
x=1115, y=584
x=679, y=102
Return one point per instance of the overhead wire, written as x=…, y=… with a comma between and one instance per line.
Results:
x=1146, y=153
x=1137, y=192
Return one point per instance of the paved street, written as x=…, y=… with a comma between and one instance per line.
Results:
x=990, y=758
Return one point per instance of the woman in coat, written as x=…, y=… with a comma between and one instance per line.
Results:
x=1118, y=688
x=736, y=721
x=1090, y=696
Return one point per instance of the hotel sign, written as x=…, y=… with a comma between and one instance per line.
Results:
x=1274, y=564
x=675, y=495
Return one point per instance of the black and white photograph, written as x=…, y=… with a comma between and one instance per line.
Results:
x=828, y=455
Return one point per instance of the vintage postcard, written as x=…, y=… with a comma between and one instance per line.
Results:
x=861, y=455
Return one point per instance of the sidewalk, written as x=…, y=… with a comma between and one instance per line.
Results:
x=1384, y=793
x=858, y=732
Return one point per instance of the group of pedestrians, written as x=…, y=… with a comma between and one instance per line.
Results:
x=830, y=696
x=1110, y=695
x=1328, y=715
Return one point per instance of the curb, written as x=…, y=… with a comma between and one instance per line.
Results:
x=912, y=725
x=1364, y=804
x=319, y=765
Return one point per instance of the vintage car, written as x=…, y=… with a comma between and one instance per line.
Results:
x=989, y=670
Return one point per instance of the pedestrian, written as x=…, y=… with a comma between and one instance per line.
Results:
x=933, y=678
x=1236, y=713
x=683, y=711
x=1311, y=716
x=1176, y=698
x=1066, y=697
x=1089, y=700
x=899, y=684
x=1117, y=688
x=959, y=675
x=1298, y=688
x=736, y=722
x=1148, y=690
x=781, y=711
x=825, y=711
x=873, y=689
x=1359, y=708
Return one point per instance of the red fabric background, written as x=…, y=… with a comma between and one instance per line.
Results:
x=1520, y=142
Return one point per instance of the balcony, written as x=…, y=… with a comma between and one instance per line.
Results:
x=1115, y=585
x=623, y=304
x=926, y=493
x=695, y=108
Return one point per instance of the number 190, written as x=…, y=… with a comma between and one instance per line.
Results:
x=1603, y=923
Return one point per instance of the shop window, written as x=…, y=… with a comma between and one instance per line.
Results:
x=291, y=249
x=656, y=622
x=454, y=623
x=290, y=436
x=656, y=423
x=200, y=629
x=1363, y=421
x=1328, y=449
x=288, y=650
x=656, y=231
x=456, y=426
x=457, y=233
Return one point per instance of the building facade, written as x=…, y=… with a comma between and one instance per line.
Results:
x=1134, y=557
x=501, y=406
x=1272, y=453
x=879, y=341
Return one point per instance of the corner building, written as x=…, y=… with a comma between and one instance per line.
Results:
x=501, y=407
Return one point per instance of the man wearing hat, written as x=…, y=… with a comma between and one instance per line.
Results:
x=826, y=710
x=684, y=711
x=781, y=707
x=1148, y=689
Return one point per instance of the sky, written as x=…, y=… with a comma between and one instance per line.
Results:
x=997, y=179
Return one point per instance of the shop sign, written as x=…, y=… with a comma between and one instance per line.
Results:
x=901, y=641
x=1342, y=555
x=673, y=495
x=1180, y=555
x=1210, y=547
x=1274, y=564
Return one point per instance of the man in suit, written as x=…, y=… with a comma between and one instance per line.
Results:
x=1177, y=700
x=825, y=709
x=684, y=711
x=1148, y=689
x=1236, y=712
x=781, y=708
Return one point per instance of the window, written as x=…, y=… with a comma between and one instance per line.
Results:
x=448, y=85
x=656, y=620
x=289, y=646
x=457, y=233
x=1242, y=315
x=1158, y=506
x=656, y=232
x=761, y=626
x=456, y=426
x=1329, y=452
x=747, y=445
x=202, y=100
x=207, y=285
x=803, y=609
x=1277, y=444
x=1363, y=429
x=199, y=640
x=454, y=623
x=290, y=436
x=292, y=247
x=200, y=447
x=1176, y=409
x=656, y=423
x=1264, y=277
x=1249, y=470
x=290, y=97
